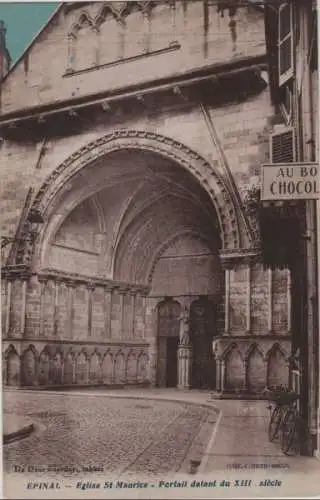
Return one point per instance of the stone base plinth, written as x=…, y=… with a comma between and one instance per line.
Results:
x=184, y=366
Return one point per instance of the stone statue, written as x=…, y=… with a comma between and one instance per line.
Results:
x=184, y=327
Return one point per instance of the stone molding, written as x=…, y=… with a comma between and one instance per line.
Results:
x=160, y=145
x=265, y=345
x=16, y=272
x=230, y=258
x=91, y=283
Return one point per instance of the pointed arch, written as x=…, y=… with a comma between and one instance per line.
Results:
x=95, y=363
x=119, y=367
x=44, y=367
x=69, y=367
x=12, y=362
x=256, y=369
x=139, y=140
x=107, y=368
x=234, y=368
x=84, y=19
x=29, y=362
x=131, y=367
x=278, y=369
x=82, y=368
x=57, y=367
x=142, y=367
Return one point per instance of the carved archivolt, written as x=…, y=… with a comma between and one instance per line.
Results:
x=202, y=170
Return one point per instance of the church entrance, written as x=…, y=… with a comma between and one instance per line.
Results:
x=202, y=328
x=172, y=361
x=168, y=341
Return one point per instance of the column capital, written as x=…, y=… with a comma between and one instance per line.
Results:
x=231, y=258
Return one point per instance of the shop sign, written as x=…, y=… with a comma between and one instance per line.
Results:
x=290, y=181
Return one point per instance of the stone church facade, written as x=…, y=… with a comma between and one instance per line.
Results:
x=136, y=130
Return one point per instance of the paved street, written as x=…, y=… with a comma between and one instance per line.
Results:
x=112, y=435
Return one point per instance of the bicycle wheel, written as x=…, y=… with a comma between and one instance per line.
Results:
x=289, y=431
x=274, y=423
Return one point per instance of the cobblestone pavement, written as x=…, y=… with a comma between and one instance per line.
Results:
x=118, y=435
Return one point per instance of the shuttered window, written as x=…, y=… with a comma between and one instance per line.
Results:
x=285, y=43
x=282, y=146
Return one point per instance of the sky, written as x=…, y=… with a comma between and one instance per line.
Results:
x=23, y=21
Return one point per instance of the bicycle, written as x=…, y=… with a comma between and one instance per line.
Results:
x=290, y=429
x=283, y=399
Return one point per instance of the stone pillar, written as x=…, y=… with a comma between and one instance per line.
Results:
x=23, y=307
x=71, y=289
x=122, y=334
x=56, y=308
x=8, y=308
x=90, y=287
x=173, y=21
x=248, y=307
x=184, y=366
x=107, y=311
x=222, y=375
x=227, y=301
x=133, y=314
x=269, y=271
x=246, y=374
x=151, y=337
x=146, y=28
x=41, y=318
x=184, y=351
x=218, y=374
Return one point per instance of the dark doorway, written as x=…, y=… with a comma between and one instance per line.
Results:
x=203, y=328
x=168, y=335
x=172, y=361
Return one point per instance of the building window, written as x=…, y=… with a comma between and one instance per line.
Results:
x=282, y=146
x=286, y=98
x=285, y=43
x=314, y=43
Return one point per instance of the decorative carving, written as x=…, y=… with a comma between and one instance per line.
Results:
x=230, y=258
x=251, y=202
x=185, y=327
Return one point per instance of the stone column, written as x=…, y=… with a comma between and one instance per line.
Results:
x=151, y=337
x=71, y=289
x=227, y=301
x=133, y=294
x=173, y=21
x=184, y=366
x=184, y=351
x=23, y=307
x=90, y=287
x=146, y=28
x=222, y=375
x=248, y=307
x=107, y=311
x=218, y=374
x=41, y=318
x=56, y=308
x=269, y=271
x=8, y=308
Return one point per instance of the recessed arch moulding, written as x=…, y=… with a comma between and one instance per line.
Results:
x=123, y=199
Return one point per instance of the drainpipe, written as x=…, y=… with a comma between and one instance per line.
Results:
x=311, y=241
